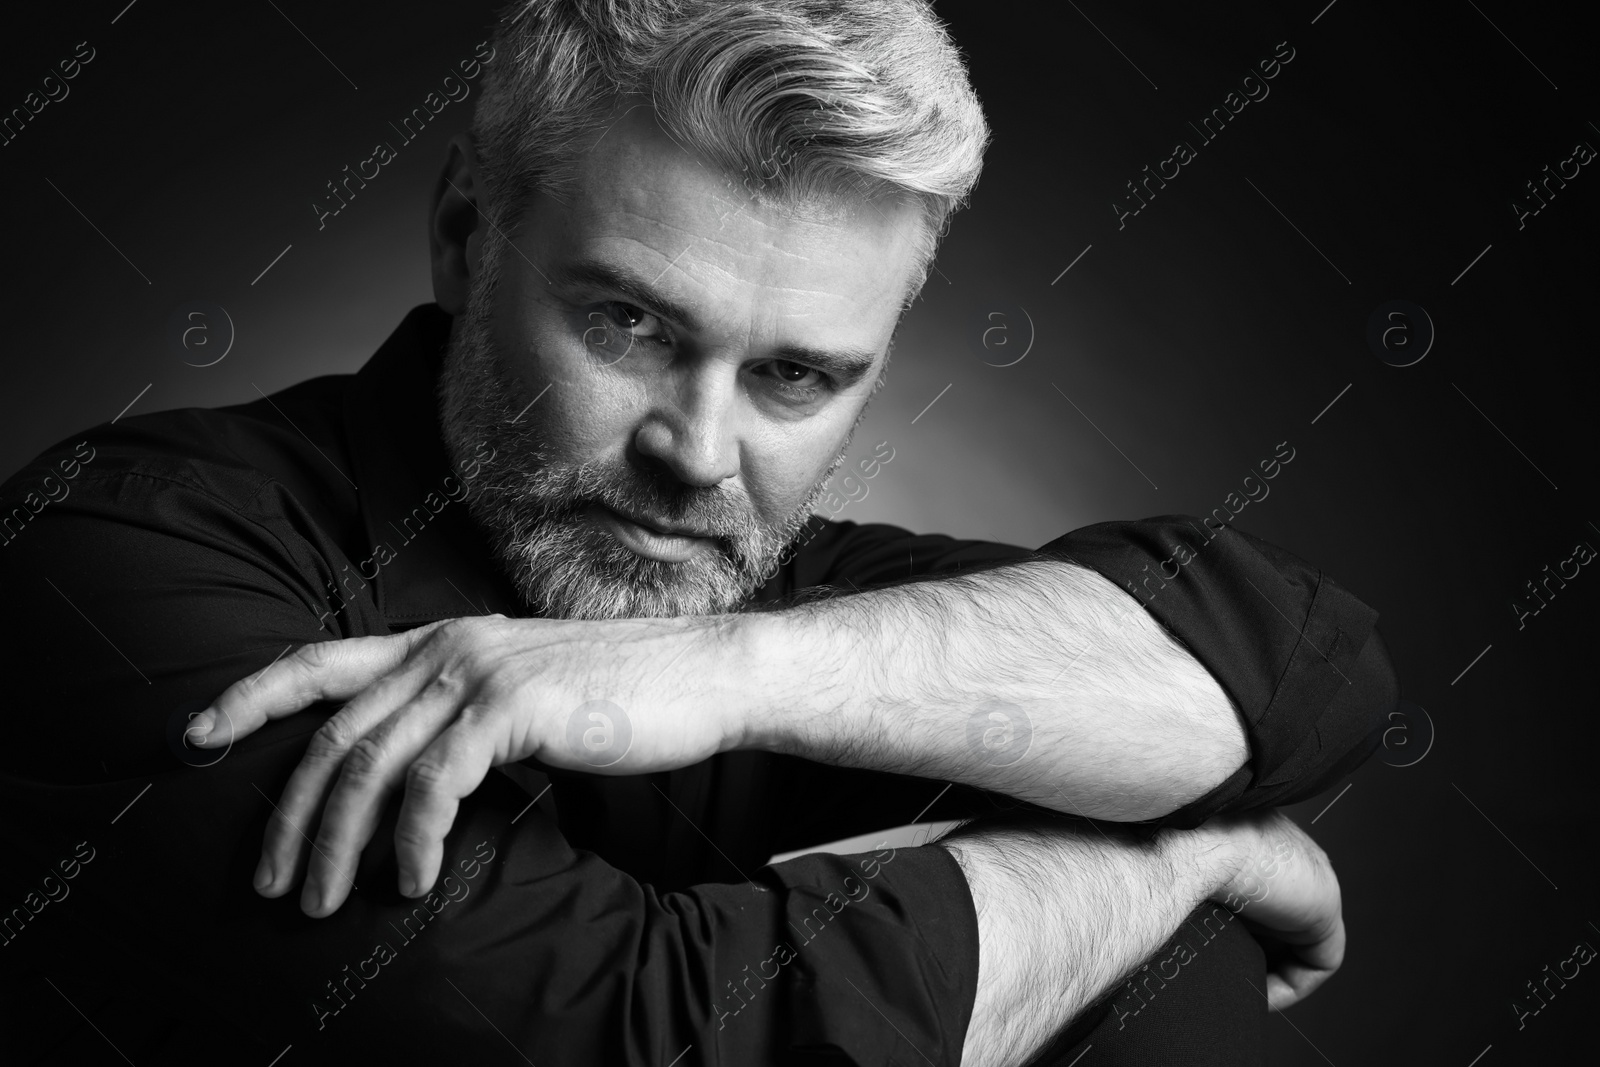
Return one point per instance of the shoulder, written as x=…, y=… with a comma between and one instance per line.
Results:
x=256, y=462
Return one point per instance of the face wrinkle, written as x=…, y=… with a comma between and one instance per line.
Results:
x=533, y=509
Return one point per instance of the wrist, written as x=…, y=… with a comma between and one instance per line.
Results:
x=1207, y=860
x=692, y=672
x=803, y=678
x=719, y=676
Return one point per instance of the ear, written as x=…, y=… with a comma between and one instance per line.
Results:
x=455, y=226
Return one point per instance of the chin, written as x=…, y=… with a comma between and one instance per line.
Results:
x=572, y=571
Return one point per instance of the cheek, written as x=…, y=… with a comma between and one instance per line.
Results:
x=780, y=469
x=582, y=409
x=589, y=415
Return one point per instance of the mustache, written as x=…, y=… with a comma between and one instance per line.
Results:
x=565, y=493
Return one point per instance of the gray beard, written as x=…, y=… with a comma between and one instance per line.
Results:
x=533, y=511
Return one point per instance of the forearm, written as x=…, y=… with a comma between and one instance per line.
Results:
x=1041, y=680
x=1065, y=913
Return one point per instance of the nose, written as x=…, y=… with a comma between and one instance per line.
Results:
x=689, y=429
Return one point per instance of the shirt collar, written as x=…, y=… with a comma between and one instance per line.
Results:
x=431, y=560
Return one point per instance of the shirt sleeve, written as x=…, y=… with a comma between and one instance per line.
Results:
x=130, y=605
x=1299, y=655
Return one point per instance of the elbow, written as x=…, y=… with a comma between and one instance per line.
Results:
x=1206, y=751
x=1218, y=749
x=1210, y=760
x=1224, y=772
x=1215, y=761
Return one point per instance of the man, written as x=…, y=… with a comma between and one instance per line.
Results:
x=549, y=522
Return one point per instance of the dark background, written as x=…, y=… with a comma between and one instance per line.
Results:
x=1218, y=322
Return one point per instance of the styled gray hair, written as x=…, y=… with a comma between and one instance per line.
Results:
x=800, y=100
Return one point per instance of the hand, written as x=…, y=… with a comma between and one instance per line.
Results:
x=1284, y=885
x=438, y=706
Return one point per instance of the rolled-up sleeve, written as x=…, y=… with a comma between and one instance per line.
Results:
x=1299, y=654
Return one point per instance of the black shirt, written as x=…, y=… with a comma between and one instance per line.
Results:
x=147, y=565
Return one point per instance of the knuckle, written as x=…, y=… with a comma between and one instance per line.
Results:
x=409, y=838
x=326, y=842
x=448, y=682
x=332, y=739
x=317, y=656
x=456, y=631
x=365, y=761
x=426, y=777
x=475, y=714
x=467, y=666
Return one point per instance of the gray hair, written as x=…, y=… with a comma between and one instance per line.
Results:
x=801, y=100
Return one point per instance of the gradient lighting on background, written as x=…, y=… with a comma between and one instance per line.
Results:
x=1217, y=323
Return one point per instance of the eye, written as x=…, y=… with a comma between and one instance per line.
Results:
x=795, y=376
x=638, y=322
x=616, y=329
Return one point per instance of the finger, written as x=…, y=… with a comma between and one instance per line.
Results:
x=1295, y=971
x=1280, y=994
x=287, y=842
x=451, y=768
x=323, y=670
x=374, y=768
x=1293, y=983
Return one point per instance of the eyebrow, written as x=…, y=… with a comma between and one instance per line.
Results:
x=596, y=275
x=846, y=366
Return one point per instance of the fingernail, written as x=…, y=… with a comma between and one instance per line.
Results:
x=310, y=899
x=263, y=874
x=200, y=726
x=408, y=885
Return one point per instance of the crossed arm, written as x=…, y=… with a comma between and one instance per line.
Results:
x=1040, y=680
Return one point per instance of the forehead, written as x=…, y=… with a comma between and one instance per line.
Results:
x=644, y=204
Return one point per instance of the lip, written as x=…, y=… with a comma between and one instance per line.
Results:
x=668, y=545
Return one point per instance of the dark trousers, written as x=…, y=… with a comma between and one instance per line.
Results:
x=1200, y=1000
